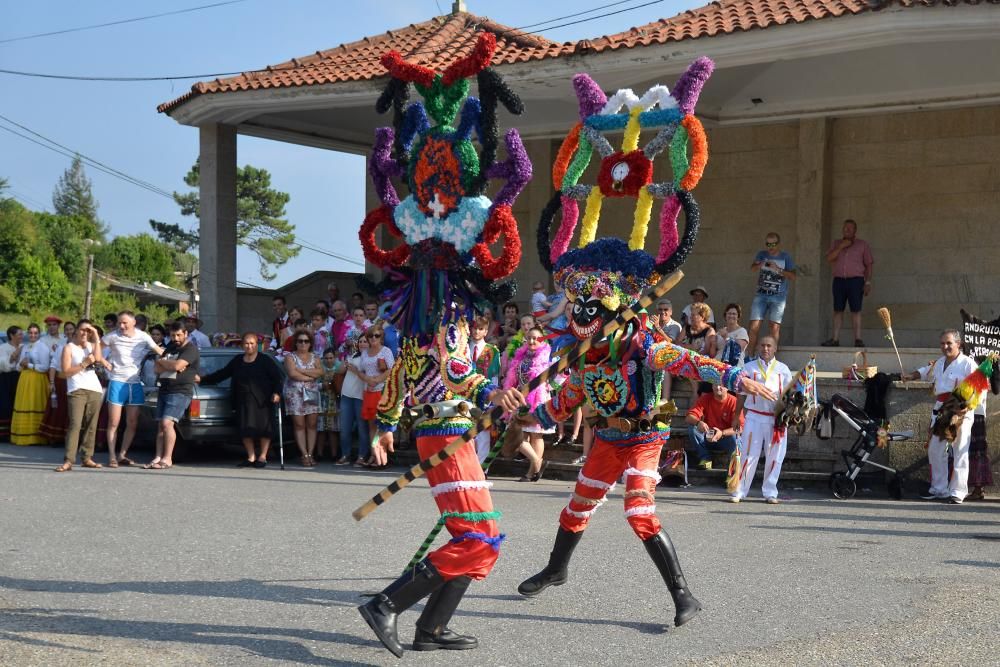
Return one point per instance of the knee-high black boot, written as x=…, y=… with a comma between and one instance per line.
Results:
x=556, y=573
x=432, y=626
x=661, y=550
x=382, y=610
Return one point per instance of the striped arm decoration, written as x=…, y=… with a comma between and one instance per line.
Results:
x=436, y=530
x=494, y=415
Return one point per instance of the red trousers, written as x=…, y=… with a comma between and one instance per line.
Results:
x=458, y=485
x=604, y=466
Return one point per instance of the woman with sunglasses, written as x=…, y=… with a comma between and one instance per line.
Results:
x=375, y=364
x=529, y=362
x=32, y=390
x=302, y=393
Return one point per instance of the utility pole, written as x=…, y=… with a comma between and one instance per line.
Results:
x=90, y=244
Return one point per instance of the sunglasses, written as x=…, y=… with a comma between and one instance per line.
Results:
x=771, y=244
x=374, y=335
x=303, y=340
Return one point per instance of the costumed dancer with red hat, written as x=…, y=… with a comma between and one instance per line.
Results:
x=439, y=277
x=621, y=376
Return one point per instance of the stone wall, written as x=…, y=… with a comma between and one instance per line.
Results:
x=923, y=186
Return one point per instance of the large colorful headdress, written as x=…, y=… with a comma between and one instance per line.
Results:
x=609, y=268
x=446, y=224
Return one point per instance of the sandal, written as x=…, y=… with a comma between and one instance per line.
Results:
x=113, y=463
x=160, y=465
x=149, y=466
x=126, y=461
x=91, y=463
x=65, y=467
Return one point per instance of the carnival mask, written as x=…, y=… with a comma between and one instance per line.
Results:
x=588, y=316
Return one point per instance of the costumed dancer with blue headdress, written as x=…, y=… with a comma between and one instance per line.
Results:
x=621, y=376
x=439, y=276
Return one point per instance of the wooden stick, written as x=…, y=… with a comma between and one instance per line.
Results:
x=493, y=415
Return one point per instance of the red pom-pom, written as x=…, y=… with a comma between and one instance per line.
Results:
x=382, y=258
x=501, y=222
x=699, y=152
x=475, y=62
x=624, y=174
x=564, y=156
x=404, y=71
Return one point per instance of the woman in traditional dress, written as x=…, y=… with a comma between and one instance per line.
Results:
x=32, y=391
x=9, y=354
x=528, y=363
x=256, y=385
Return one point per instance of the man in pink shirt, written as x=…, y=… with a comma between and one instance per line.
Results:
x=850, y=259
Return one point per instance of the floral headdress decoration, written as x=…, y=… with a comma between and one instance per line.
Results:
x=443, y=265
x=616, y=271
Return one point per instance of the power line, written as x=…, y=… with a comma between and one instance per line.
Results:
x=569, y=16
x=122, y=21
x=347, y=61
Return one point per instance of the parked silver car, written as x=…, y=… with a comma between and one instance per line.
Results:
x=211, y=418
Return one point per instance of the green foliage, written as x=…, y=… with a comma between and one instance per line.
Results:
x=73, y=197
x=8, y=299
x=260, y=210
x=62, y=236
x=180, y=241
x=105, y=301
x=39, y=283
x=139, y=257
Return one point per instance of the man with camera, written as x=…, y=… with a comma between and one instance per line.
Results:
x=713, y=425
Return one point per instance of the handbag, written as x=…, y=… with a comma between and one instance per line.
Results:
x=310, y=394
x=859, y=372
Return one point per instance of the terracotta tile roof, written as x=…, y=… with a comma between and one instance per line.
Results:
x=729, y=16
x=441, y=40
x=435, y=43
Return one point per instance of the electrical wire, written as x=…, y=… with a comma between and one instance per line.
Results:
x=123, y=21
x=100, y=166
x=346, y=61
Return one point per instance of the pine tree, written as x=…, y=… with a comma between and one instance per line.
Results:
x=73, y=197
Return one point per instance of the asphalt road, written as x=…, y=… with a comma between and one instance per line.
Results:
x=206, y=564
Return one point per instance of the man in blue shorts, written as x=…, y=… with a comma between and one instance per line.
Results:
x=176, y=371
x=774, y=269
x=127, y=347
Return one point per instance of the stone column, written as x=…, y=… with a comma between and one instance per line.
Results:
x=217, y=249
x=809, y=315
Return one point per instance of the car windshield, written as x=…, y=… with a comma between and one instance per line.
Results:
x=211, y=361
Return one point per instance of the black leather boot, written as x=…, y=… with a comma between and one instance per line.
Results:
x=556, y=573
x=382, y=610
x=661, y=550
x=432, y=626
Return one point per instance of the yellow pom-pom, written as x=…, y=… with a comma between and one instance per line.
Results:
x=588, y=229
x=630, y=141
x=643, y=211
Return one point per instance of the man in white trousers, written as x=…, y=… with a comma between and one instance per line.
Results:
x=759, y=432
x=947, y=372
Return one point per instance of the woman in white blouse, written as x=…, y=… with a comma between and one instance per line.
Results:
x=32, y=391
x=84, y=394
x=10, y=352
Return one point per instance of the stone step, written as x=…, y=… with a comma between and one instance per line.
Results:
x=834, y=359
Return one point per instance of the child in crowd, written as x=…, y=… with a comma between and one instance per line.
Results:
x=539, y=302
x=486, y=358
x=328, y=425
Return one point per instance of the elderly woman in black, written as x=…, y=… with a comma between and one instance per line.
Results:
x=256, y=382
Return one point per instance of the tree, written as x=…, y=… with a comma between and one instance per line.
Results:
x=175, y=236
x=260, y=210
x=73, y=197
x=32, y=279
x=140, y=258
x=62, y=235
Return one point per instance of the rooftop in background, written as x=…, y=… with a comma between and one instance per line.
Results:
x=440, y=40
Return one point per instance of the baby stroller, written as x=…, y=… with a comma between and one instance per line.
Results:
x=843, y=484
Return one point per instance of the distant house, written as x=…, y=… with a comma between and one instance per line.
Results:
x=150, y=293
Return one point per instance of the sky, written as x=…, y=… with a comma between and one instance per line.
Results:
x=116, y=123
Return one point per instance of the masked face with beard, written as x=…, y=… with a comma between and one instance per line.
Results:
x=588, y=315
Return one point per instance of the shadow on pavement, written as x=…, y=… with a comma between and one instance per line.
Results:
x=876, y=532
x=880, y=518
x=974, y=563
x=281, y=643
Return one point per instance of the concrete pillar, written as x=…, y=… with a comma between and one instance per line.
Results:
x=809, y=315
x=217, y=249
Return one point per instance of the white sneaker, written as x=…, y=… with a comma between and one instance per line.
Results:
x=771, y=501
x=734, y=499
